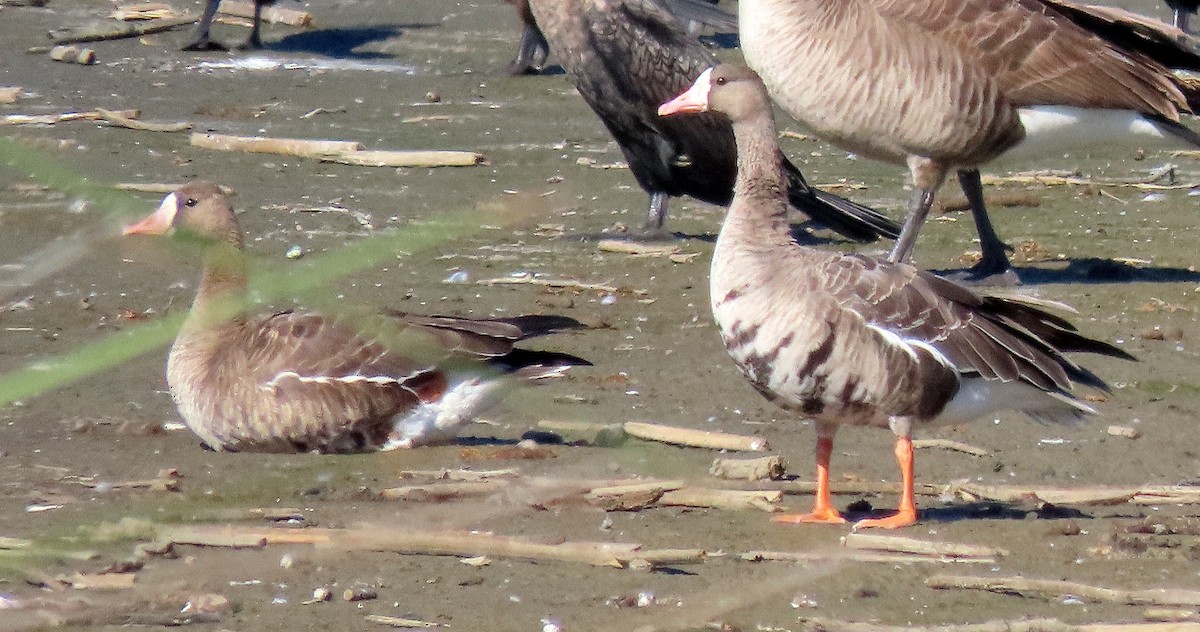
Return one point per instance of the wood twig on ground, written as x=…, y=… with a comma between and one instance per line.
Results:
x=445, y=491
x=1171, y=615
x=459, y=475
x=104, y=581
x=871, y=557
x=1055, y=179
x=1052, y=495
x=570, y=284
x=159, y=187
x=1056, y=589
x=10, y=94
x=854, y=487
x=402, y=622
x=73, y=55
x=760, y=469
x=947, y=444
x=900, y=544
x=1167, y=495
x=11, y=544
x=116, y=118
x=1017, y=625
x=731, y=499
x=167, y=480
x=272, y=14
x=407, y=158
x=635, y=248
x=51, y=119
x=225, y=537
x=459, y=544
x=144, y=11
x=694, y=438
x=285, y=146
x=631, y=496
x=121, y=31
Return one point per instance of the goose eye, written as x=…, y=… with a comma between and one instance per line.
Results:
x=190, y=202
x=721, y=81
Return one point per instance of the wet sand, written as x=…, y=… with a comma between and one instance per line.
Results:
x=1124, y=257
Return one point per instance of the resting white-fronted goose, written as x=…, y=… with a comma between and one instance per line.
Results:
x=850, y=339
x=948, y=85
x=298, y=382
x=628, y=56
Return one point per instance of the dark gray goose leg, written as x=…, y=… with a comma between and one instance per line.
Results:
x=1181, y=19
x=994, y=267
x=918, y=210
x=254, y=42
x=532, y=53
x=203, y=41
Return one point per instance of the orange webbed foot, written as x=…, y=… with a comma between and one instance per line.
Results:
x=901, y=519
x=827, y=515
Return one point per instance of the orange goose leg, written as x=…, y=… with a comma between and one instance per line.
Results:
x=823, y=509
x=908, y=503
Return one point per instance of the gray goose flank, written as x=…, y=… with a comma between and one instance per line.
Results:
x=850, y=339
x=297, y=382
x=942, y=85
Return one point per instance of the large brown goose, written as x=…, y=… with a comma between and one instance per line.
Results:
x=628, y=56
x=298, y=382
x=850, y=339
x=948, y=85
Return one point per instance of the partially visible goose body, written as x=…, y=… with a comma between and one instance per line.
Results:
x=628, y=56
x=850, y=339
x=949, y=85
x=298, y=382
x=202, y=40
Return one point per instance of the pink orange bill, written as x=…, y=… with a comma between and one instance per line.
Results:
x=694, y=100
x=157, y=223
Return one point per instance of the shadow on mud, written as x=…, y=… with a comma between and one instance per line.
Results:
x=342, y=43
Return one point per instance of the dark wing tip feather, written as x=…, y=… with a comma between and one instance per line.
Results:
x=847, y=218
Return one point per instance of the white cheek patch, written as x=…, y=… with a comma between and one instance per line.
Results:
x=168, y=209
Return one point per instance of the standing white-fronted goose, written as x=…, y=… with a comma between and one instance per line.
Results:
x=628, y=56
x=850, y=339
x=948, y=85
x=299, y=382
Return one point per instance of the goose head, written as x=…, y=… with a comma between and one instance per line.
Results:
x=198, y=211
x=735, y=91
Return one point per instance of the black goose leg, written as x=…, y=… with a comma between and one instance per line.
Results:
x=203, y=41
x=532, y=53
x=1181, y=19
x=254, y=42
x=994, y=267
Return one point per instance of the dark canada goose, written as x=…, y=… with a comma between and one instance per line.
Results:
x=628, y=56
x=851, y=339
x=298, y=382
x=948, y=85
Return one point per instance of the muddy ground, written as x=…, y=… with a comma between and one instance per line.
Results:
x=1124, y=257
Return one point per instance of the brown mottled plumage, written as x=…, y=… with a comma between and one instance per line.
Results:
x=296, y=382
x=850, y=339
x=944, y=85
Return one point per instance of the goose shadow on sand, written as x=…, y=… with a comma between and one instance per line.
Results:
x=1096, y=270
x=342, y=43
